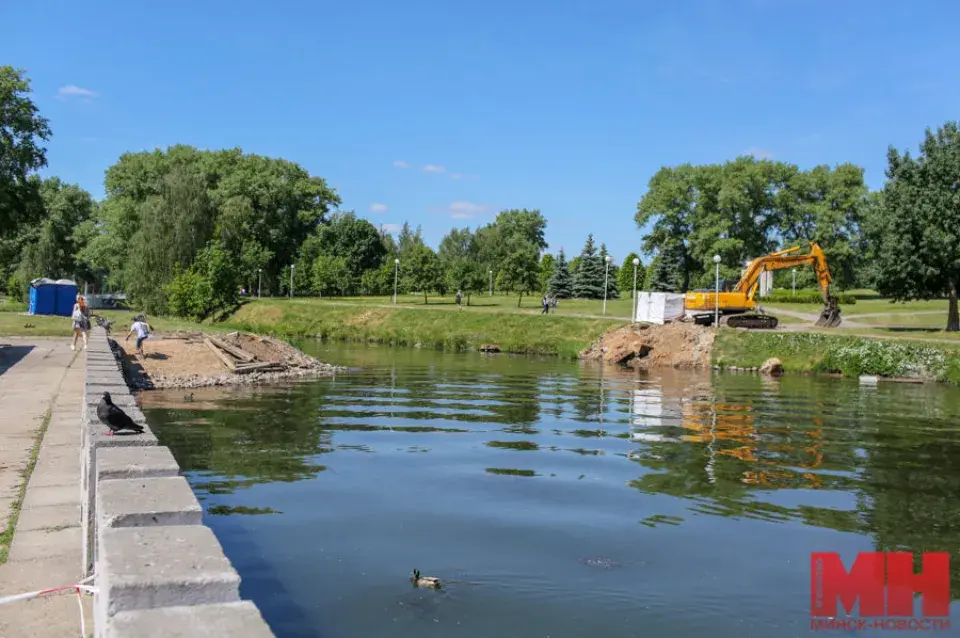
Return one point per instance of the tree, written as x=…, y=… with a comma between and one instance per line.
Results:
x=458, y=258
x=22, y=132
x=625, y=279
x=356, y=240
x=520, y=272
x=588, y=281
x=420, y=269
x=574, y=266
x=332, y=275
x=547, y=267
x=915, y=232
x=560, y=285
x=611, y=272
x=668, y=272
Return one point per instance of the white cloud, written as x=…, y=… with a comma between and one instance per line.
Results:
x=759, y=153
x=433, y=168
x=72, y=90
x=401, y=164
x=391, y=228
x=465, y=210
x=378, y=208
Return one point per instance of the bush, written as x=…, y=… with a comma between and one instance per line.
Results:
x=17, y=287
x=209, y=286
x=886, y=359
x=189, y=295
x=779, y=295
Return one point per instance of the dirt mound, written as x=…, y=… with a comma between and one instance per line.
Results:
x=188, y=360
x=642, y=346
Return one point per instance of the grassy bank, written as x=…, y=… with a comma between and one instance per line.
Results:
x=404, y=326
x=849, y=355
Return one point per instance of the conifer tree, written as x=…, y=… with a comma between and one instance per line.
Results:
x=561, y=283
x=588, y=281
x=669, y=269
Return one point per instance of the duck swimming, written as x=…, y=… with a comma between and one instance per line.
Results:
x=424, y=581
x=188, y=397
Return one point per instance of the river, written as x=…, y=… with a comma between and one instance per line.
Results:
x=557, y=499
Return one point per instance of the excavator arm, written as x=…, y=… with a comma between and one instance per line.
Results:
x=749, y=284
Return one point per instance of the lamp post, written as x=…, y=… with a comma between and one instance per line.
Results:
x=716, y=294
x=491, y=283
x=606, y=273
x=794, y=282
x=396, y=273
x=636, y=263
x=259, y=281
x=291, y=281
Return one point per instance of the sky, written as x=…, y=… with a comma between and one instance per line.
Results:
x=444, y=113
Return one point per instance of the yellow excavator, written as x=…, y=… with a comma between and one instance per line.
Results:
x=739, y=301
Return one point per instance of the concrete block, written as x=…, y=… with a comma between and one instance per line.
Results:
x=40, y=544
x=227, y=620
x=55, y=495
x=49, y=518
x=147, y=502
x=166, y=566
x=136, y=462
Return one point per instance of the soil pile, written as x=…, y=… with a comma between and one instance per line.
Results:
x=195, y=359
x=642, y=346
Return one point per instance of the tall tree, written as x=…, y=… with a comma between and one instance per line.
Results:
x=916, y=231
x=355, y=239
x=420, y=270
x=669, y=272
x=588, y=280
x=547, y=267
x=561, y=283
x=22, y=133
x=458, y=257
x=625, y=277
x=520, y=272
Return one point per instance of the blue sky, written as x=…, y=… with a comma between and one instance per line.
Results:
x=443, y=113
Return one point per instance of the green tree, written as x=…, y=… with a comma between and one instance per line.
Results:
x=22, y=133
x=588, y=280
x=574, y=266
x=459, y=261
x=547, y=267
x=332, y=275
x=916, y=231
x=625, y=279
x=520, y=272
x=355, y=239
x=420, y=270
x=561, y=283
x=668, y=272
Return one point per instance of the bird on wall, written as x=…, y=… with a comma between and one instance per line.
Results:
x=115, y=418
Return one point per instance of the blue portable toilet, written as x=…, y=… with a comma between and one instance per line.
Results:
x=49, y=297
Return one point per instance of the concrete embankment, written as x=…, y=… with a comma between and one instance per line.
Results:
x=159, y=571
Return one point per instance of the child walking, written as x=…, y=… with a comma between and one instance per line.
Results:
x=142, y=328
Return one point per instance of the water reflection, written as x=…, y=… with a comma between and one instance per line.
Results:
x=513, y=464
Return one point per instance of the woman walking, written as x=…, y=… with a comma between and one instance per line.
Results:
x=81, y=321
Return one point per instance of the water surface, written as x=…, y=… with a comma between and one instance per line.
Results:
x=556, y=499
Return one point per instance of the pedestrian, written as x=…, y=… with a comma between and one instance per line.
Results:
x=554, y=303
x=459, y=297
x=142, y=328
x=546, y=305
x=81, y=322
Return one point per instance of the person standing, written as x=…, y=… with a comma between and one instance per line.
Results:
x=81, y=322
x=142, y=328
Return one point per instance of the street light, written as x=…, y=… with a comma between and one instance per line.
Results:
x=291, y=281
x=491, y=283
x=396, y=272
x=259, y=280
x=636, y=262
x=606, y=273
x=716, y=294
x=794, y=282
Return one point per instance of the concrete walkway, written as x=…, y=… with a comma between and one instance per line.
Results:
x=36, y=377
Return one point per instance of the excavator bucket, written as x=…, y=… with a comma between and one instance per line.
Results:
x=830, y=317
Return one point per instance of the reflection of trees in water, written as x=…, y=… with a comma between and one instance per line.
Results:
x=725, y=452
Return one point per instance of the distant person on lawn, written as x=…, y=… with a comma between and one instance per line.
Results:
x=142, y=328
x=81, y=321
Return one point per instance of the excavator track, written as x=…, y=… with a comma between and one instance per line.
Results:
x=753, y=322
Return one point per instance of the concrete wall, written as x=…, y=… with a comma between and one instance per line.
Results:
x=159, y=570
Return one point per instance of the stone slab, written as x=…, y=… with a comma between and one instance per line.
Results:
x=54, y=495
x=39, y=544
x=147, y=502
x=49, y=517
x=227, y=620
x=136, y=462
x=166, y=566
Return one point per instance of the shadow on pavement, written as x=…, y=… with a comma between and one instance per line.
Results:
x=11, y=355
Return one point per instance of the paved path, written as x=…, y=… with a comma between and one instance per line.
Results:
x=36, y=377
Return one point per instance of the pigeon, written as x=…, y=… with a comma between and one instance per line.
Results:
x=115, y=418
x=188, y=397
